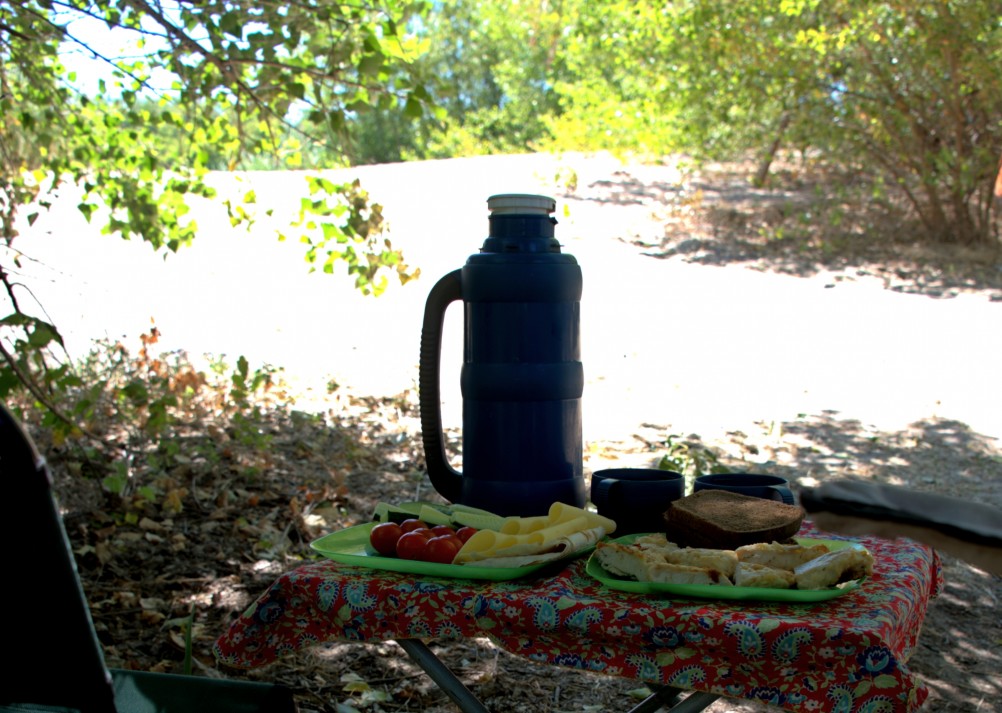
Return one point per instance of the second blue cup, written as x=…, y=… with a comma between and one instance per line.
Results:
x=770, y=487
x=636, y=498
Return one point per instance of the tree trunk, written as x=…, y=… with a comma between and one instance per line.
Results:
x=997, y=193
x=765, y=163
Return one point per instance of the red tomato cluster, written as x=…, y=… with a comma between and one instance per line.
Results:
x=414, y=540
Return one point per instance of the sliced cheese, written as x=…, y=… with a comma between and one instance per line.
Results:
x=533, y=535
x=524, y=525
x=563, y=547
x=484, y=543
x=562, y=512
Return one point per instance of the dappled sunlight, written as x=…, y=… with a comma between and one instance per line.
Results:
x=933, y=455
x=477, y=661
x=970, y=595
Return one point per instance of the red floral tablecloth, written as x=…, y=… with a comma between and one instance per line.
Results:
x=845, y=655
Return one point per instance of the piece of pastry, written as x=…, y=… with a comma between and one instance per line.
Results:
x=774, y=554
x=649, y=565
x=625, y=560
x=834, y=568
x=723, y=561
x=667, y=573
x=748, y=574
x=654, y=541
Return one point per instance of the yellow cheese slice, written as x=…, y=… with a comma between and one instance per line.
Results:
x=486, y=541
x=562, y=512
x=524, y=525
x=532, y=535
x=564, y=547
x=558, y=514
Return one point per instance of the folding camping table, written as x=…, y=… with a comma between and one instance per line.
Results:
x=847, y=653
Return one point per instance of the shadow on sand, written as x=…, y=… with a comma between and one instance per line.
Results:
x=794, y=230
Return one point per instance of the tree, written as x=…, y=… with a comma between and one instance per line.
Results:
x=242, y=80
x=916, y=94
x=906, y=96
x=498, y=63
x=491, y=69
x=619, y=90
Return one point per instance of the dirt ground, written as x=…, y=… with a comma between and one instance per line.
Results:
x=251, y=514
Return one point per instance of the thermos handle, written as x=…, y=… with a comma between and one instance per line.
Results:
x=446, y=479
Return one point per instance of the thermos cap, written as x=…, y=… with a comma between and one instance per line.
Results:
x=521, y=203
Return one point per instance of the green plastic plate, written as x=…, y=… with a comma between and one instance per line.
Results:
x=716, y=591
x=351, y=546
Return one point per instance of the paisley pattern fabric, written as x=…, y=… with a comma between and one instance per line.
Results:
x=844, y=655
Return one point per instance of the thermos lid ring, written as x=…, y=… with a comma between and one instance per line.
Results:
x=521, y=203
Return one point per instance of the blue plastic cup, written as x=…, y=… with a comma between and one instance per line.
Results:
x=636, y=498
x=769, y=487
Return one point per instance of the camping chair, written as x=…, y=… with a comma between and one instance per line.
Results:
x=54, y=661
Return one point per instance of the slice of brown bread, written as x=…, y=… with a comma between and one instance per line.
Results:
x=724, y=520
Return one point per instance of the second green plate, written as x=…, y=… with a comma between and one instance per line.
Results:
x=716, y=591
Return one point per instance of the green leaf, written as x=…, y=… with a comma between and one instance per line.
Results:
x=43, y=334
x=232, y=23
x=9, y=381
x=371, y=44
x=136, y=392
x=16, y=319
x=115, y=484
x=332, y=232
x=159, y=415
x=370, y=64
x=87, y=209
x=413, y=108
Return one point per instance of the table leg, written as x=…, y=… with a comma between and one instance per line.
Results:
x=468, y=703
x=668, y=696
x=441, y=675
x=662, y=696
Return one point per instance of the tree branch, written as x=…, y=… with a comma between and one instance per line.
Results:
x=40, y=395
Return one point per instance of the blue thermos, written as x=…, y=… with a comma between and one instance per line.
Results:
x=521, y=377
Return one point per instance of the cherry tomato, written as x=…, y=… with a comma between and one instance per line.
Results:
x=412, y=546
x=442, y=530
x=412, y=524
x=383, y=538
x=442, y=549
x=465, y=533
